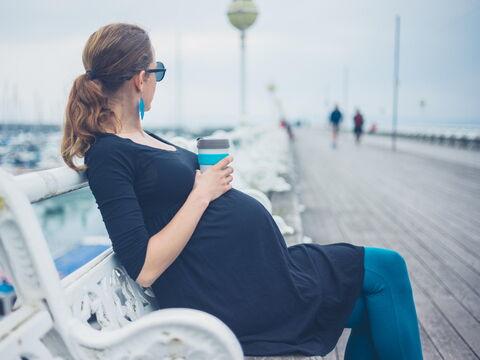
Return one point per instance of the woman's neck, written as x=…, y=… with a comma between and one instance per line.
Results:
x=128, y=115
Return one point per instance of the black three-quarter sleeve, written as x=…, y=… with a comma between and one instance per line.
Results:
x=110, y=173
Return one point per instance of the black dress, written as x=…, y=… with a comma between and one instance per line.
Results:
x=277, y=300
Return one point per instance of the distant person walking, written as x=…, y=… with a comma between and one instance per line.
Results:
x=358, y=122
x=335, y=119
x=288, y=127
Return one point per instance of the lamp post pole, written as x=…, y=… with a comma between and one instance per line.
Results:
x=243, y=106
x=396, y=67
x=276, y=101
x=242, y=14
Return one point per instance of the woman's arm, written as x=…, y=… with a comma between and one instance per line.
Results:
x=164, y=247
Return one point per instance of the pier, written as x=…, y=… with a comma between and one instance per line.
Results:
x=423, y=201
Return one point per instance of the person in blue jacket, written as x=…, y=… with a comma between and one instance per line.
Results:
x=335, y=119
x=200, y=243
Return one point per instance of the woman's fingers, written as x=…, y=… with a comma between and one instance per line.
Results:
x=227, y=171
x=224, y=162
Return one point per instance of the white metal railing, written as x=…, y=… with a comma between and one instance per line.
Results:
x=40, y=185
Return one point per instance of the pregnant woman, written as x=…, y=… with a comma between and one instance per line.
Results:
x=199, y=243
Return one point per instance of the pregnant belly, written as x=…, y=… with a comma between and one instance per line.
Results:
x=230, y=219
x=235, y=241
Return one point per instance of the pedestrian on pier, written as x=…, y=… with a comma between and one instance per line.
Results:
x=335, y=119
x=358, y=122
x=288, y=128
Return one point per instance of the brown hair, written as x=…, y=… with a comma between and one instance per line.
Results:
x=112, y=55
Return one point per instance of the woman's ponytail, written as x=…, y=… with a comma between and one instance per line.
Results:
x=87, y=112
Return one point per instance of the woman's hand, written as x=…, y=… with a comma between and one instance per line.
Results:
x=214, y=181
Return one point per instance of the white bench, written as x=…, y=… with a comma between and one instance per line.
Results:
x=97, y=312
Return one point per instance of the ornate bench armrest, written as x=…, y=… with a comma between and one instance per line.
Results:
x=164, y=334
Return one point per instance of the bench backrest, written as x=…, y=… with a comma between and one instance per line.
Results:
x=99, y=293
x=102, y=295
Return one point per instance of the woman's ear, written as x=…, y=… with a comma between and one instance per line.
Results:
x=139, y=80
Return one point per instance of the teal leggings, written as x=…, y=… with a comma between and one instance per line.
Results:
x=384, y=321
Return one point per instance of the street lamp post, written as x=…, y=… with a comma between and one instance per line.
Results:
x=242, y=14
x=276, y=101
x=395, y=83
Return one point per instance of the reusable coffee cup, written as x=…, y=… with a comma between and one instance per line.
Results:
x=211, y=151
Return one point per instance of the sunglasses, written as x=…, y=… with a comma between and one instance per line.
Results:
x=159, y=71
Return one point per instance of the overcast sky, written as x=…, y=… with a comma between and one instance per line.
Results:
x=305, y=47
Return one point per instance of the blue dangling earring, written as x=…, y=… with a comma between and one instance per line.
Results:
x=141, y=108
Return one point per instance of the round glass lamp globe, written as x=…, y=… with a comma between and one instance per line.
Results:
x=242, y=13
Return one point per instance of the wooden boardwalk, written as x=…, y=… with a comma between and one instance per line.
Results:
x=423, y=201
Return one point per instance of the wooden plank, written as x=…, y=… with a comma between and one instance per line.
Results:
x=446, y=269
x=469, y=294
x=340, y=189
x=443, y=222
x=449, y=307
x=457, y=315
x=448, y=258
x=430, y=351
x=446, y=332
x=342, y=344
